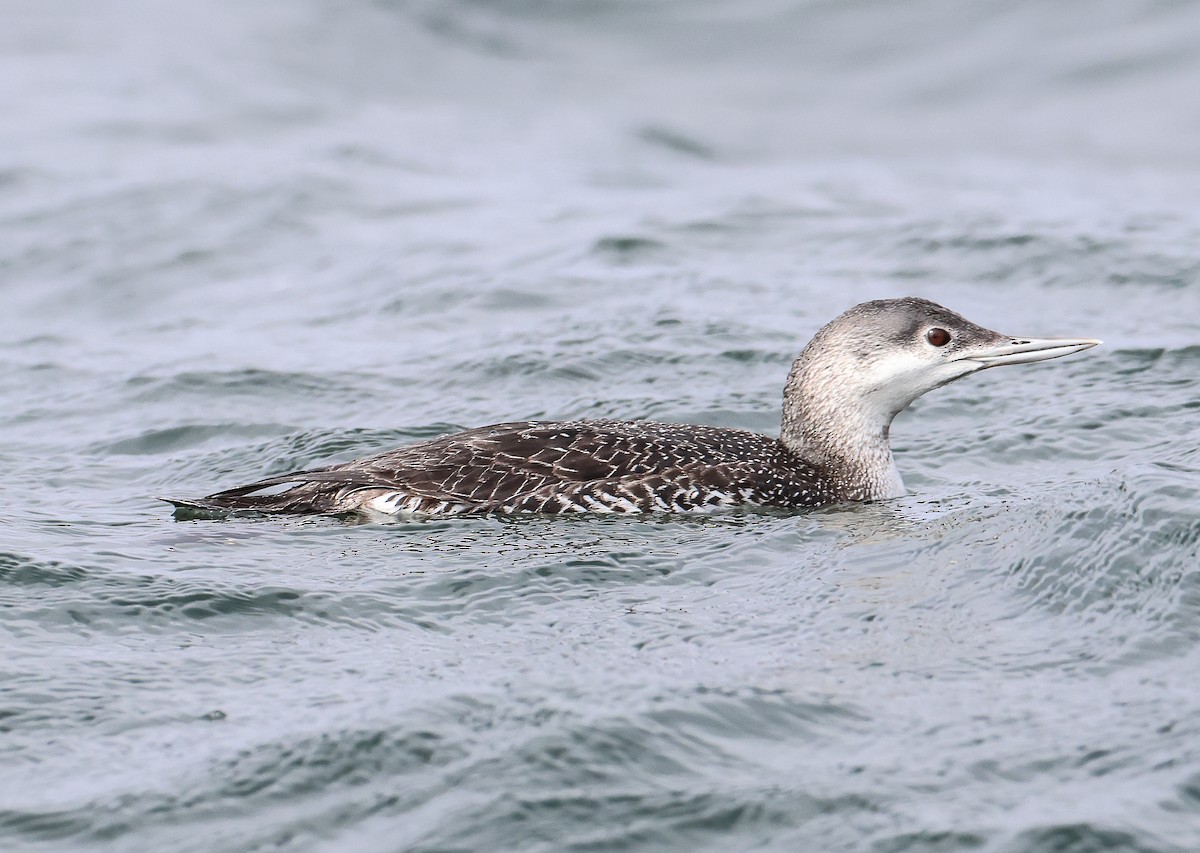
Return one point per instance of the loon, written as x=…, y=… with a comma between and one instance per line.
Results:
x=844, y=389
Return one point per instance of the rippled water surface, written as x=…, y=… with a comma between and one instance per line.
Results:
x=237, y=239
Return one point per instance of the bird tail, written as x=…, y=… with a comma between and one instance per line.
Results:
x=308, y=492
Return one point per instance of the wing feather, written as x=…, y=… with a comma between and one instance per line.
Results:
x=532, y=466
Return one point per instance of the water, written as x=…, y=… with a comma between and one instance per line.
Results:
x=240, y=239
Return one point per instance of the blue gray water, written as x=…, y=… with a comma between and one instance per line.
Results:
x=241, y=238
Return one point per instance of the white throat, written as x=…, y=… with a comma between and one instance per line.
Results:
x=842, y=424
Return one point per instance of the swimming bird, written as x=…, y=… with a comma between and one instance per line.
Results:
x=844, y=389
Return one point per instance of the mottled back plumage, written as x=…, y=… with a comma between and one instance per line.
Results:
x=551, y=467
x=843, y=391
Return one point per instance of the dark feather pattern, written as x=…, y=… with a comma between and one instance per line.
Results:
x=550, y=467
x=856, y=374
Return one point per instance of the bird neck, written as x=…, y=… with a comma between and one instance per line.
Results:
x=828, y=426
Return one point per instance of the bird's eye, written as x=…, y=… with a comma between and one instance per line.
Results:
x=938, y=337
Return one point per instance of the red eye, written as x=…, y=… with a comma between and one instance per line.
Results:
x=938, y=337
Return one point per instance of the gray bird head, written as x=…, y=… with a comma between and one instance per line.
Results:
x=870, y=363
